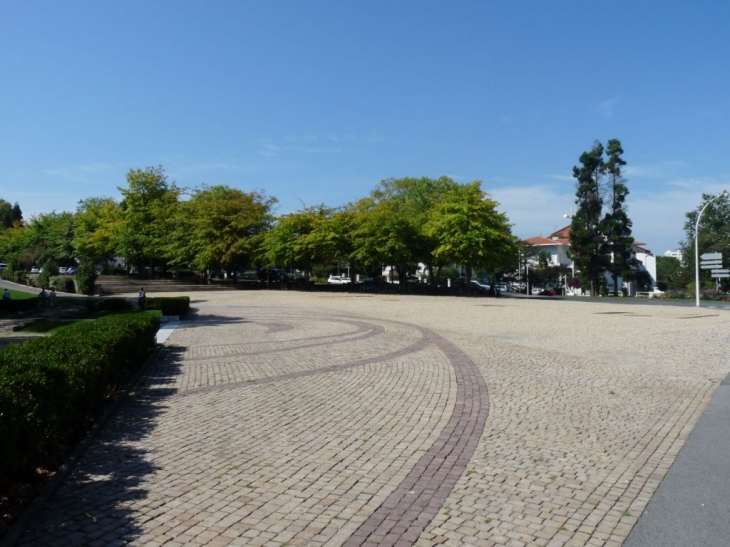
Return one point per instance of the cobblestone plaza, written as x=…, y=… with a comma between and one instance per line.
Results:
x=283, y=418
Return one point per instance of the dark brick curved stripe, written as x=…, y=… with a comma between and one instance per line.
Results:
x=420, y=344
x=364, y=330
x=406, y=512
x=403, y=516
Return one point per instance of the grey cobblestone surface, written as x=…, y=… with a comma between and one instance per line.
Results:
x=275, y=418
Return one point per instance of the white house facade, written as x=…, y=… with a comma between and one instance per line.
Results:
x=557, y=246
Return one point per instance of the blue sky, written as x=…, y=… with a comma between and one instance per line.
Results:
x=318, y=101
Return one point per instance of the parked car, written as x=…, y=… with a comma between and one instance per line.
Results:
x=476, y=286
x=483, y=288
x=273, y=275
x=370, y=280
x=71, y=270
x=338, y=280
x=35, y=270
x=62, y=270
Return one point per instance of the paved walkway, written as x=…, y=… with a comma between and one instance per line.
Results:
x=297, y=419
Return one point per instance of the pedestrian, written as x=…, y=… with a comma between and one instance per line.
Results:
x=52, y=298
x=141, y=298
x=44, y=298
x=6, y=295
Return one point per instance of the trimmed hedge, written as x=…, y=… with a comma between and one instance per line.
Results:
x=50, y=386
x=168, y=305
x=10, y=306
x=108, y=304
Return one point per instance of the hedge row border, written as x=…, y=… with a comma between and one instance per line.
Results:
x=62, y=473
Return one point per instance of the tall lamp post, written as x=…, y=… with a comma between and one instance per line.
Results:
x=572, y=262
x=697, y=246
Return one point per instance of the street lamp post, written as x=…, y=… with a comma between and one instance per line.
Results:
x=572, y=261
x=697, y=246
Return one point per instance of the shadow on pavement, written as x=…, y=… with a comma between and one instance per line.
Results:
x=103, y=498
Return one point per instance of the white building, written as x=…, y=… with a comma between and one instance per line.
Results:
x=557, y=245
x=675, y=254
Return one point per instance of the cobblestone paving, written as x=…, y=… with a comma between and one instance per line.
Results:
x=297, y=419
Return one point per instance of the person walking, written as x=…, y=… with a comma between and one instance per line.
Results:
x=141, y=298
x=6, y=295
x=52, y=298
x=44, y=298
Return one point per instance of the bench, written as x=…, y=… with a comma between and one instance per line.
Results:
x=647, y=294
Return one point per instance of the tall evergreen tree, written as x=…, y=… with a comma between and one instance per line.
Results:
x=587, y=244
x=616, y=225
x=17, y=214
x=602, y=243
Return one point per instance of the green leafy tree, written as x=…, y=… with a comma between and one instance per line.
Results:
x=96, y=229
x=228, y=227
x=384, y=234
x=53, y=233
x=468, y=229
x=295, y=240
x=669, y=273
x=389, y=225
x=713, y=235
x=616, y=225
x=148, y=207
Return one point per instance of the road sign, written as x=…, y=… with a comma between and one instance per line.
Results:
x=710, y=265
x=711, y=256
x=720, y=271
x=721, y=275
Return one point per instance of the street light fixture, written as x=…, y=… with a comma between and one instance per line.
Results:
x=697, y=247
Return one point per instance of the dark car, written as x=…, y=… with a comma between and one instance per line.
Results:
x=273, y=275
x=482, y=288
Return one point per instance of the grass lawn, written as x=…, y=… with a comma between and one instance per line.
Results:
x=21, y=295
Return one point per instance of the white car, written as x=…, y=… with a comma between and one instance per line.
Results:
x=338, y=280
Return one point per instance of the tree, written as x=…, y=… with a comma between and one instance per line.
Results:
x=6, y=214
x=601, y=243
x=713, y=234
x=616, y=225
x=314, y=235
x=389, y=224
x=668, y=273
x=9, y=214
x=227, y=227
x=96, y=229
x=148, y=208
x=468, y=229
x=586, y=241
x=17, y=215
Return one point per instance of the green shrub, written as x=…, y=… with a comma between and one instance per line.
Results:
x=50, y=386
x=109, y=304
x=169, y=305
x=85, y=278
x=12, y=306
x=63, y=283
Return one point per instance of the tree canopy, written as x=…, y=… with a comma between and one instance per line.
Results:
x=600, y=236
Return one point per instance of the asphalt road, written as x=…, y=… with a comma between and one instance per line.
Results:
x=691, y=507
